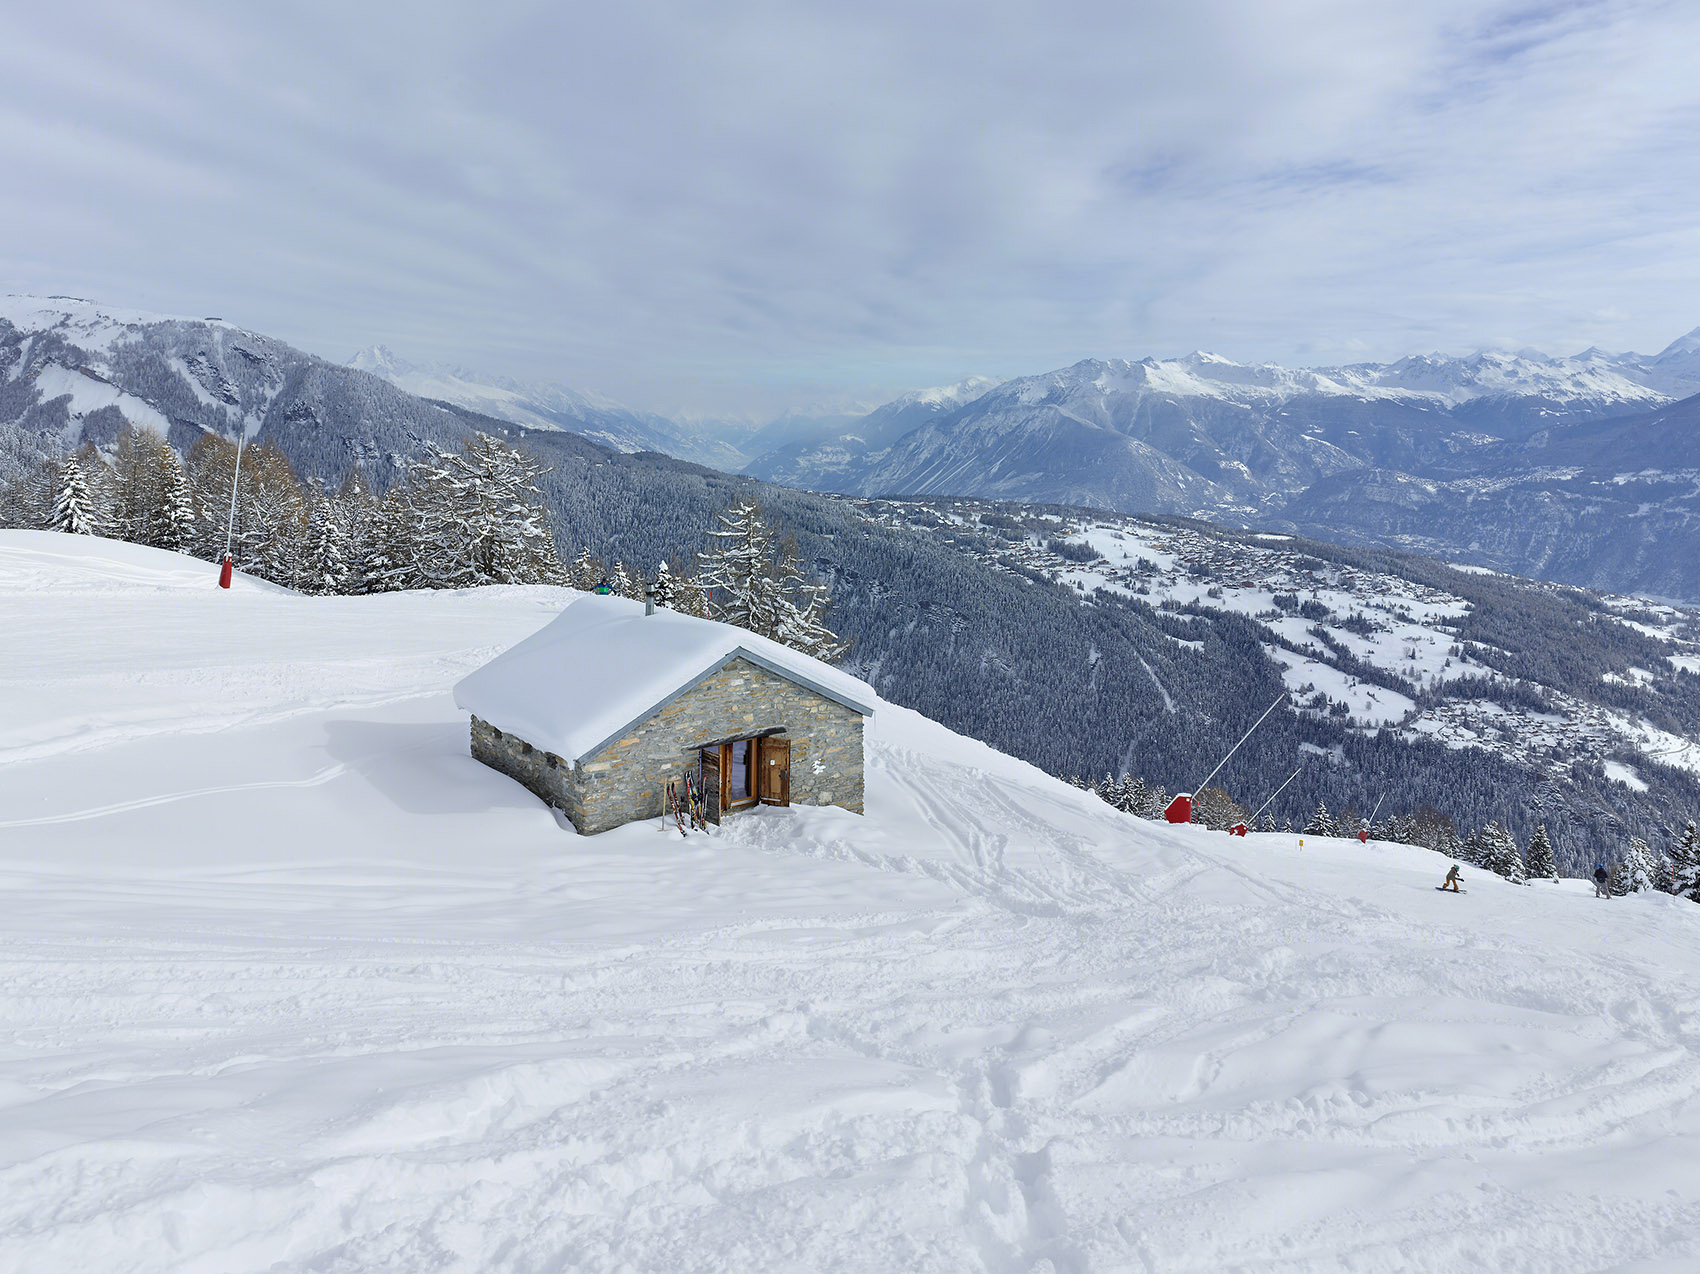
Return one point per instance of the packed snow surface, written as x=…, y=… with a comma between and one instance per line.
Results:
x=647, y=658
x=290, y=983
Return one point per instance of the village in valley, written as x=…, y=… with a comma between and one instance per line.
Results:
x=1371, y=649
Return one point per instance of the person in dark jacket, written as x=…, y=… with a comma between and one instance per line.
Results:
x=1452, y=879
x=1602, y=878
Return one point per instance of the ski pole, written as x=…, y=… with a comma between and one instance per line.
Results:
x=1276, y=792
x=1243, y=738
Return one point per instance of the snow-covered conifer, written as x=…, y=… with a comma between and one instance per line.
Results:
x=387, y=565
x=171, y=522
x=1138, y=797
x=326, y=567
x=1541, y=864
x=1685, y=857
x=661, y=588
x=1321, y=822
x=1498, y=853
x=1639, y=871
x=625, y=582
x=74, y=508
x=585, y=571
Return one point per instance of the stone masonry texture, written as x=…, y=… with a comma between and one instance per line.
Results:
x=627, y=779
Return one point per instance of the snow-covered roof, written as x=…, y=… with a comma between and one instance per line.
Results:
x=602, y=665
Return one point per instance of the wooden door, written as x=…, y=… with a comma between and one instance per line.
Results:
x=709, y=774
x=774, y=772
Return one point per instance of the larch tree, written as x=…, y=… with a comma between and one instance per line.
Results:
x=480, y=517
x=756, y=582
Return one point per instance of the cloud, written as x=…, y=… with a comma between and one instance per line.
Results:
x=743, y=205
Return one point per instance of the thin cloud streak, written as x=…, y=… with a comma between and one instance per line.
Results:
x=738, y=208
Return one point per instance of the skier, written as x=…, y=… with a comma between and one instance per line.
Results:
x=1452, y=879
x=1601, y=879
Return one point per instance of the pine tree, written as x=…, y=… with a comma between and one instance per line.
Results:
x=1541, y=864
x=661, y=589
x=388, y=563
x=326, y=567
x=1639, y=871
x=585, y=572
x=171, y=522
x=1159, y=802
x=1498, y=853
x=1618, y=885
x=1321, y=823
x=1685, y=856
x=1138, y=798
x=74, y=509
x=1105, y=789
x=624, y=582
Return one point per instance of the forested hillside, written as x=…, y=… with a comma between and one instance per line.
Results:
x=946, y=616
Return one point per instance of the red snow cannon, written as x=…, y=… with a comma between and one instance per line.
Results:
x=1363, y=838
x=224, y=572
x=1180, y=809
x=1238, y=829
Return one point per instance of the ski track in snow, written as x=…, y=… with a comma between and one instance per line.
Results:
x=377, y=1010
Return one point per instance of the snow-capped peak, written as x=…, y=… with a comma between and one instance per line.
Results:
x=381, y=360
x=1686, y=344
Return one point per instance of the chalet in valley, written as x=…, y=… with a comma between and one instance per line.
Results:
x=596, y=712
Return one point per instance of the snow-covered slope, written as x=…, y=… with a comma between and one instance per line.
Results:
x=291, y=983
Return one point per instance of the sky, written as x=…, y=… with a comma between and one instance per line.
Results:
x=742, y=208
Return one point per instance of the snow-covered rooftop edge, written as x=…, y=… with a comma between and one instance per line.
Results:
x=602, y=666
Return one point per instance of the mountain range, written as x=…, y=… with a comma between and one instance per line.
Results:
x=1075, y=681
x=1583, y=469
x=1577, y=469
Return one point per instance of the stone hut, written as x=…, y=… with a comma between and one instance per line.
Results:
x=600, y=708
